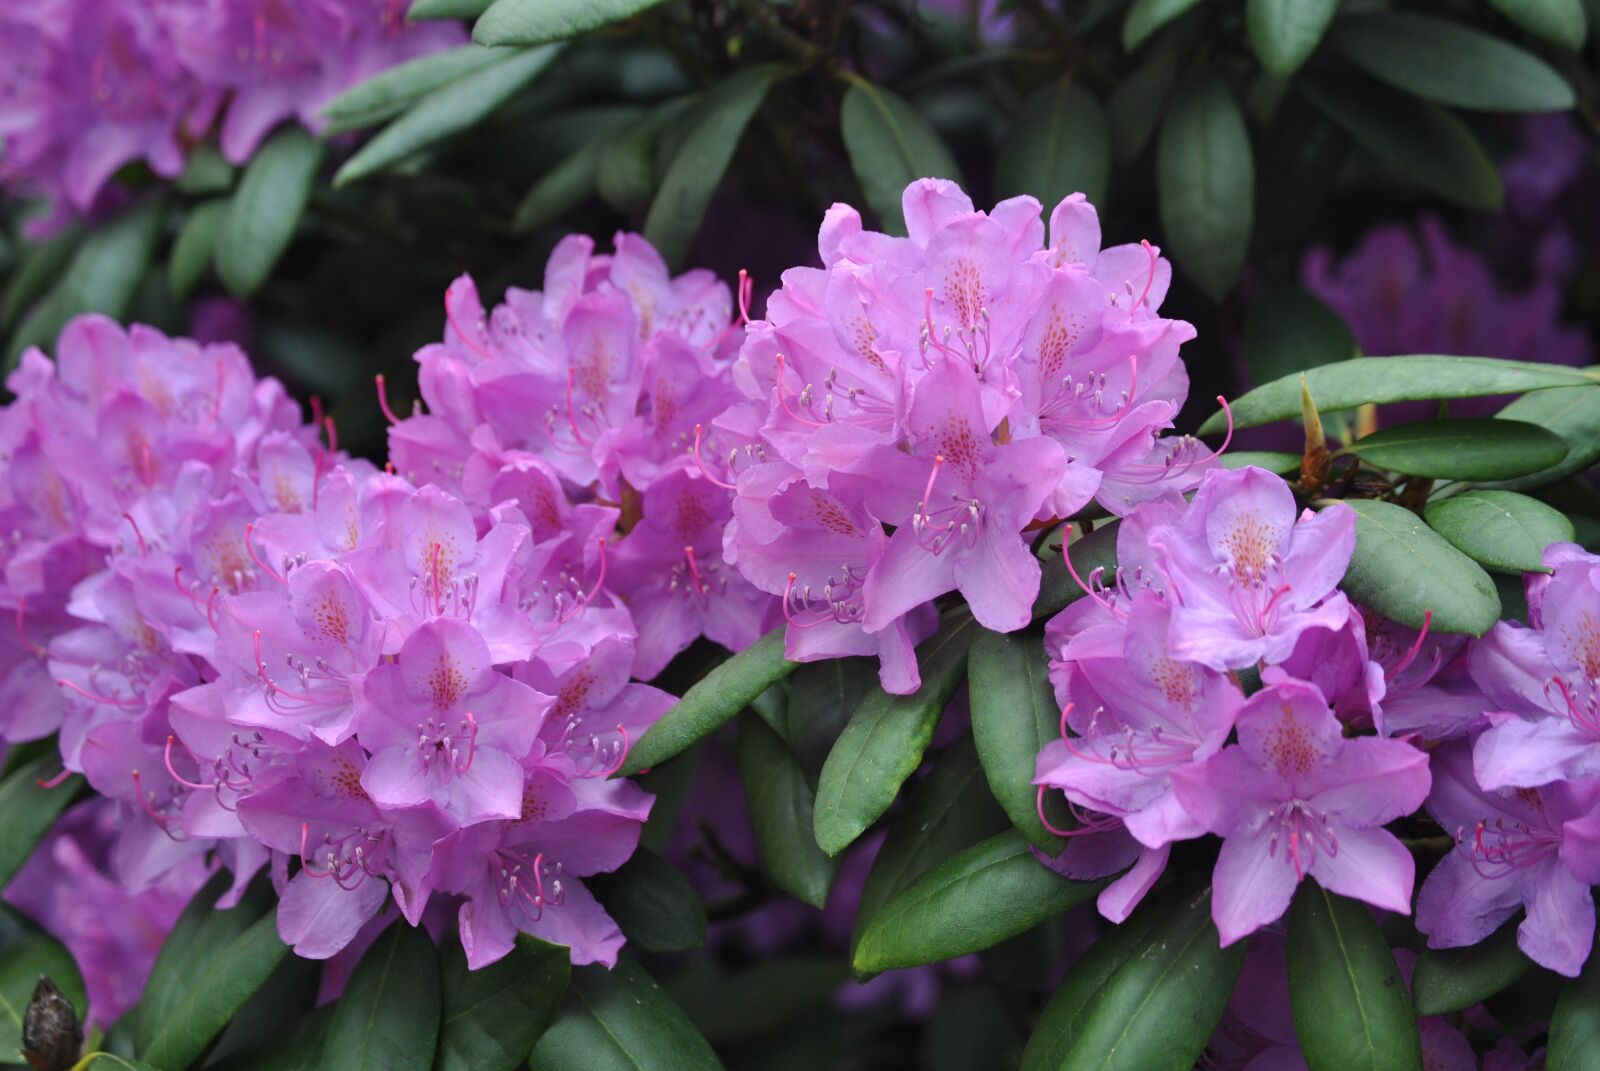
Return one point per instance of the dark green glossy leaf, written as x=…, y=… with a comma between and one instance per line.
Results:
x=736, y=1004
x=1444, y=61
x=1561, y=21
x=1135, y=105
x=390, y=92
x=1351, y=1012
x=781, y=808
x=1145, y=17
x=105, y=1061
x=822, y=696
x=270, y=1016
x=1158, y=1009
x=299, y=1049
x=619, y=1020
x=454, y=107
x=1097, y=550
x=493, y=1016
x=653, y=903
x=1284, y=464
x=195, y=246
x=1014, y=715
x=229, y=979
x=1289, y=330
x=1500, y=529
x=1348, y=384
x=1206, y=179
x=206, y=172
x=1402, y=569
x=697, y=167
x=1468, y=449
x=538, y=22
x=1571, y=412
x=30, y=810
x=567, y=184
x=1575, y=1026
x=1059, y=143
x=718, y=696
x=446, y=9
x=1284, y=33
x=884, y=742
x=388, y=1018
x=890, y=146
x=266, y=209
x=977, y=898
x=1449, y=979
x=1417, y=140
x=26, y=952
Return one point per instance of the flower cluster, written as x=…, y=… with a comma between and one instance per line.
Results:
x=92, y=85
x=965, y=386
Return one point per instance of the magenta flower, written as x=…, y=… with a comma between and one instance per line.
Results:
x=1295, y=797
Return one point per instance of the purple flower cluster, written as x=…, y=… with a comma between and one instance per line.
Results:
x=92, y=85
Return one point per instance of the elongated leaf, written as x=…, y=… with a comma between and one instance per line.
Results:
x=538, y=22
x=1348, y=384
x=1561, y=21
x=1500, y=529
x=781, y=807
x=206, y=172
x=1284, y=464
x=1059, y=143
x=26, y=952
x=1135, y=105
x=697, y=167
x=447, y=111
x=1145, y=17
x=1349, y=1003
x=653, y=903
x=1444, y=61
x=1475, y=449
x=1057, y=588
x=299, y=1049
x=950, y=810
x=1571, y=412
x=1284, y=33
x=569, y=182
x=822, y=696
x=738, y=1004
x=388, y=1018
x=266, y=209
x=1575, y=1025
x=30, y=810
x=1289, y=330
x=1416, y=139
x=493, y=1016
x=1206, y=180
x=446, y=9
x=106, y=1061
x=1158, y=1009
x=271, y=1015
x=390, y=92
x=619, y=1020
x=890, y=146
x=1014, y=715
x=1402, y=569
x=884, y=742
x=229, y=980
x=952, y=910
x=718, y=696
x=196, y=245
x=1450, y=979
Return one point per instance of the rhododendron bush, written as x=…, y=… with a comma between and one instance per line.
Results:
x=725, y=533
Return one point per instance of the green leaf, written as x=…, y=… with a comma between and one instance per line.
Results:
x=446, y=9
x=1500, y=529
x=388, y=1018
x=1145, y=17
x=1444, y=61
x=494, y=1015
x=196, y=245
x=538, y=22
x=619, y=1020
x=1417, y=140
x=718, y=696
x=447, y=111
x=206, y=172
x=299, y=1049
x=951, y=809
x=1575, y=1026
x=730, y=1005
x=41, y=264
x=1290, y=329
x=1284, y=33
x=1357, y=382
x=1465, y=449
x=1059, y=143
x=822, y=696
x=890, y=146
x=697, y=167
x=1135, y=105
x=229, y=979
x=977, y=898
x=1571, y=412
x=106, y=1061
x=1450, y=979
x=1402, y=569
x=390, y=92
x=26, y=952
x=1561, y=21
x=1206, y=180
x=884, y=742
x=566, y=185
x=653, y=903
x=272, y=1014
x=1349, y=1003
x=266, y=209
x=1158, y=1009
x=1282, y=463
x=29, y=810
x=1057, y=588
x=781, y=807
x=1014, y=715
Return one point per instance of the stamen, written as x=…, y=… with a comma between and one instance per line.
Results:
x=166, y=757
x=22, y=633
x=572, y=416
x=137, y=534
x=694, y=573
x=1149, y=279
x=1072, y=571
x=126, y=704
x=784, y=402
x=1411, y=655
x=1228, y=438
x=383, y=400
x=698, y=430
x=56, y=781
x=1038, y=806
x=249, y=548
